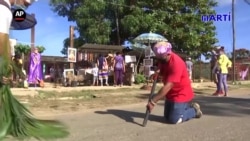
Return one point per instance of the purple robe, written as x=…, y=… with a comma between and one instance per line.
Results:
x=35, y=68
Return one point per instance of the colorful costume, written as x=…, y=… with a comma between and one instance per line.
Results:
x=35, y=69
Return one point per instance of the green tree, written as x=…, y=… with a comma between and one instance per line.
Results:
x=247, y=1
x=25, y=49
x=113, y=21
x=78, y=42
x=241, y=53
x=22, y=49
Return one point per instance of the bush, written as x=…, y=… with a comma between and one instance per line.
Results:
x=139, y=78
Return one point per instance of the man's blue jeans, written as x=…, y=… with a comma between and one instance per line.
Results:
x=176, y=112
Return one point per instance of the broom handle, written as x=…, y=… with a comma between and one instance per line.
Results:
x=147, y=110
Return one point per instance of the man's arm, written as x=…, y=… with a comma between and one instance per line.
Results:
x=229, y=64
x=114, y=63
x=124, y=66
x=174, y=76
x=163, y=91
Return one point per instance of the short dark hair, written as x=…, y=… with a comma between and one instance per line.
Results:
x=118, y=53
x=100, y=55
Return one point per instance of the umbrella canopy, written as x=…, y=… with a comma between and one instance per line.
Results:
x=28, y=23
x=129, y=45
x=149, y=38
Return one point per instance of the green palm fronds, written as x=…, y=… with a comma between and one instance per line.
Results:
x=16, y=119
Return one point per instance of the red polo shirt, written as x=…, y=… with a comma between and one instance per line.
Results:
x=175, y=71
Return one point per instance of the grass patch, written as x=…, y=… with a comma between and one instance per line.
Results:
x=85, y=93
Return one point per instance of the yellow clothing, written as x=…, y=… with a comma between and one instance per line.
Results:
x=224, y=63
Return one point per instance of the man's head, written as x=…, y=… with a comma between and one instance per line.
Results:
x=118, y=53
x=162, y=51
x=36, y=50
x=220, y=50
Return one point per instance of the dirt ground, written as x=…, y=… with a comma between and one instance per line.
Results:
x=57, y=101
x=68, y=101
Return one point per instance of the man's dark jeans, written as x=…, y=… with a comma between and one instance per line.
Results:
x=176, y=112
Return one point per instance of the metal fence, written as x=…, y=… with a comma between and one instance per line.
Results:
x=203, y=71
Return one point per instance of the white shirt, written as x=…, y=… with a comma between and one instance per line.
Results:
x=6, y=18
x=95, y=71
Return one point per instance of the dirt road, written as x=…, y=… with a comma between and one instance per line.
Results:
x=225, y=119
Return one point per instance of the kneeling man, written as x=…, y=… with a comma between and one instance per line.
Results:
x=177, y=86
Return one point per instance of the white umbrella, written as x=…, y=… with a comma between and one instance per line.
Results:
x=149, y=38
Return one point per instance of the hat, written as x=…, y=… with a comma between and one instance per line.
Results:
x=219, y=47
x=110, y=55
x=162, y=48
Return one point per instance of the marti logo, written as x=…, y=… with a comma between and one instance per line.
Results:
x=216, y=18
x=19, y=15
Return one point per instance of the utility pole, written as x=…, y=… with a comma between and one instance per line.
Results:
x=32, y=45
x=71, y=37
x=33, y=35
x=233, y=29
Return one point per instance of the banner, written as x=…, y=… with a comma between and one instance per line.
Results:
x=72, y=55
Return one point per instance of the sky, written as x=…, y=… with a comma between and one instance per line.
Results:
x=52, y=29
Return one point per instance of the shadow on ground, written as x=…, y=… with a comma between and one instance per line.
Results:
x=129, y=116
x=224, y=106
x=214, y=106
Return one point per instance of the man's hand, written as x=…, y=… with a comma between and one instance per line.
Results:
x=154, y=76
x=6, y=80
x=150, y=106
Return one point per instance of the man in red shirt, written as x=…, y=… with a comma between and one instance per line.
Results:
x=177, y=87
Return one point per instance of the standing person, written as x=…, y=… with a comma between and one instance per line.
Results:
x=177, y=87
x=189, y=65
x=52, y=74
x=16, y=119
x=119, y=69
x=95, y=75
x=103, y=69
x=223, y=63
x=215, y=70
x=35, y=68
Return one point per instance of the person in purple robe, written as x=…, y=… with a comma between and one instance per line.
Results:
x=35, y=68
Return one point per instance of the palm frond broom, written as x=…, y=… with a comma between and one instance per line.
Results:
x=15, y=119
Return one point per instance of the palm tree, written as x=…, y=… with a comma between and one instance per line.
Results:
x=15, y=118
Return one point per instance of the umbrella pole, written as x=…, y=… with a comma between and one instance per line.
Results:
x=148, y=58
x=138, y=62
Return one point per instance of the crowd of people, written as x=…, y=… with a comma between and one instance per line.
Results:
x=103, y=67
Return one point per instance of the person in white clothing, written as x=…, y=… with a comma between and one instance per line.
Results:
x=95, y=75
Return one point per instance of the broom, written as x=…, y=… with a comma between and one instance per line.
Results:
x=15, y=119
